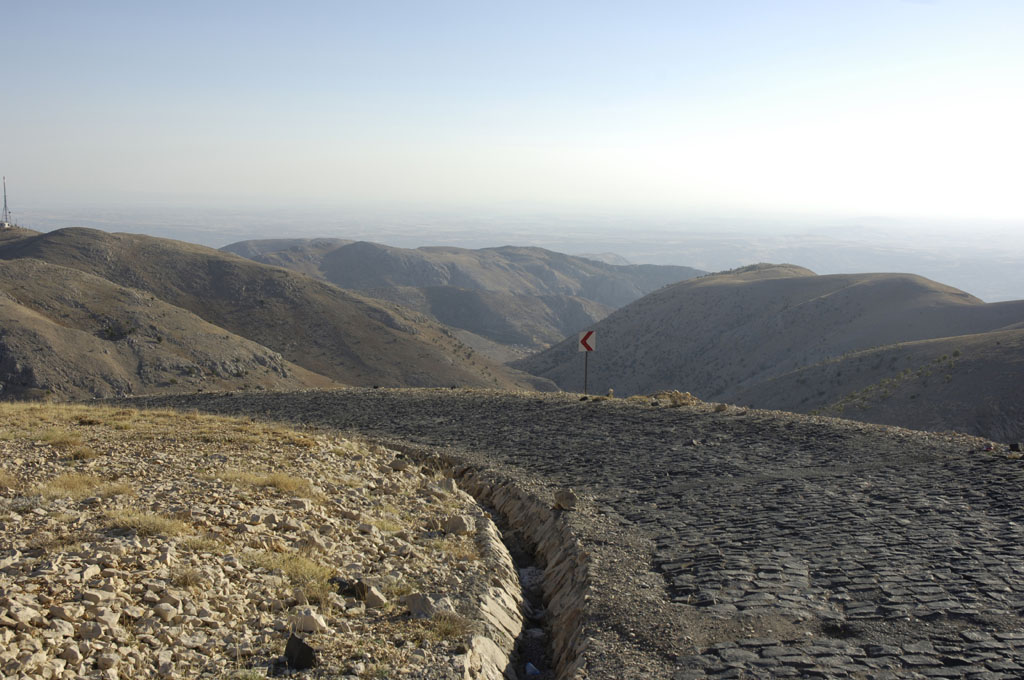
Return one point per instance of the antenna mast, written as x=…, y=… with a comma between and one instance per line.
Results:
x=5, y=220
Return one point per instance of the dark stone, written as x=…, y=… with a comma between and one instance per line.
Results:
x=300, y=655
x=345, y=588
x=1017, y=446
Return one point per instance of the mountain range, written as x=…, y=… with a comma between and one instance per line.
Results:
x=89, y=313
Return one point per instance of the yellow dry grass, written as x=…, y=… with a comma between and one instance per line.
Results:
x=300, y=570
x=456, y=547
x=277, y=480
x=77, y=485
x=60, y=439
x=7, y=480
x=145, y=523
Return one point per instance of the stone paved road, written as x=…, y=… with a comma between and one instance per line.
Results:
x=744, y=544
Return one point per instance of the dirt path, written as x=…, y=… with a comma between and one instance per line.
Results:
x=740, y=543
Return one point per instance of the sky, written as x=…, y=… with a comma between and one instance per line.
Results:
x=731, y=108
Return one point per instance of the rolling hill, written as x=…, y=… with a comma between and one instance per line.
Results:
x=504, y=301
x=338, y=334
x=727, y=336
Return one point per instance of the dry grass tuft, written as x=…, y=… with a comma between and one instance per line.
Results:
x=7, y=480
x=76, y=486
x=202, y=544
x=145, y=523
x=187, y=577
x=301, y=571
x=60, y=439
x=278, y=480
x=442, y=627
x=83, y=453
x=456, y=547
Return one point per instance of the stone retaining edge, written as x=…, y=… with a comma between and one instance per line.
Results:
x=566, y=584
x=566, y=566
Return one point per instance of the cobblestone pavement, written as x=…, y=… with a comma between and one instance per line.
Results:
x=744, y=544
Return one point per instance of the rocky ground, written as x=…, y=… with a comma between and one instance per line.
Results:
x=733, y=543
x=145, y=544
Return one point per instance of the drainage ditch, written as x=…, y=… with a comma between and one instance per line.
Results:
x=552, y=569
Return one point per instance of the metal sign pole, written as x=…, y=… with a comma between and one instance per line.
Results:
x=586, y=345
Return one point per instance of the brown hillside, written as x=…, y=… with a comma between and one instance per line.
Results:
x=509, y=269
x=339, y=334
x=69, y=334
x=720, y=335
x=505, y=302
x=514, y=320
x=969, y=383
x=298, y=254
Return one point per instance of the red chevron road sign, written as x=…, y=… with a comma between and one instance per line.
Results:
x=588, y=341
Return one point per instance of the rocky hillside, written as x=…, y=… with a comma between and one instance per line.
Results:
x=507, y=300
x=72, y=335
x=724, y=337
x=342, y=335
x=142, y=544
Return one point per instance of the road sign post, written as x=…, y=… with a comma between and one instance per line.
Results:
x=587, y=343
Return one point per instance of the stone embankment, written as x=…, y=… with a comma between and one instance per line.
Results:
x=730, y=543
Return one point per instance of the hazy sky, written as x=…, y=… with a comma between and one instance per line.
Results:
x=721, y=107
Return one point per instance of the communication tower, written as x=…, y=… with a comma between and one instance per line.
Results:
x=5, y=220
